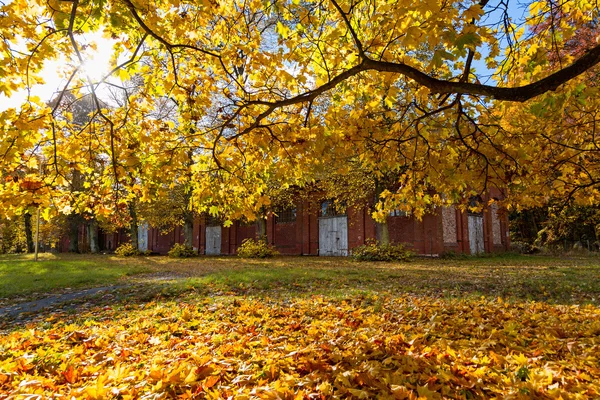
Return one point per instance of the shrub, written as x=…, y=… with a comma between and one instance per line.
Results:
x=251, y=248
x=180, y=250
x=127, y=250
x=452, y=255
x=523, y=247
x=373, y=251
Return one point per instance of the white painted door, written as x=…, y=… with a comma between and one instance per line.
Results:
x=143, y=237
x=213, y=240
x=333, y=236
x=476, y=234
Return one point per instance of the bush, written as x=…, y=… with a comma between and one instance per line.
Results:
x=127, y=250
x=251, y=248
x=523, y=248
x=453, y=255
x=180, y=250
x=373, y=251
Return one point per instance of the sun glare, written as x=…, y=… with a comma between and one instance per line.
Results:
x=94, y=69
x=56, y=72
x=97, y=60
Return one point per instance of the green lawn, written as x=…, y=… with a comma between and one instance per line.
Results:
x=20, y=275
x=573, y=280
x=555, y=280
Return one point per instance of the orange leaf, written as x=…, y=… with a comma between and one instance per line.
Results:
x=210, y=381
x=71, y=375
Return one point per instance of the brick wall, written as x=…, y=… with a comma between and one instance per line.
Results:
x=444, y=230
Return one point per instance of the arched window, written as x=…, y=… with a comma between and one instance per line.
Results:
x=211, y=220
x=398, y=213
x=475, y=205
x=329, y=209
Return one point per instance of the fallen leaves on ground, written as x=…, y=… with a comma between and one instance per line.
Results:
x=363, y=347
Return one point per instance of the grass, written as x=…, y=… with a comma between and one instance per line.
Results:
x=554, y=280
x=573, y=280
x=21, y=276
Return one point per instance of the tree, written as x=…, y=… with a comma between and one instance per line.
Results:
x=260, y=88
x=169, y=208
x=77, y=113
x=559, y=221
x=12, y=239
x=557, y=224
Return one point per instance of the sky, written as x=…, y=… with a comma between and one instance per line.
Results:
x=97, y=65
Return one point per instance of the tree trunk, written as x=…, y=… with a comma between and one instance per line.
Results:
x=188, y=214
x=93, y=229
x=381, y=228
x=261, y=229
x=188, y=229
x=29, y=232
x=133, y=226
x=73, y=221
x=383, y=232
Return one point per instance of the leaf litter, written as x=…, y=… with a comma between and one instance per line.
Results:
x=277, y=340
x=390, y=347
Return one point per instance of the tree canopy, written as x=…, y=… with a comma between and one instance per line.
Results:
x=451, y=96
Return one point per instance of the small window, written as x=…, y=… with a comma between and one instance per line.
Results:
x=285, y=216
x=245, y=222
x=329, y=209
x=211, y=220
x=398, y=213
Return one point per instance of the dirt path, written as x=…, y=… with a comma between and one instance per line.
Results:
x=24, y=311
x=49, y=301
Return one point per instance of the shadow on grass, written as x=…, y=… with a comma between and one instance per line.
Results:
x=516, y=278
x=21, y=276
x=549, y=280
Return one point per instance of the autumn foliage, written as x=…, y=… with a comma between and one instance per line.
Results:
x=390, y=347
x=229, y=102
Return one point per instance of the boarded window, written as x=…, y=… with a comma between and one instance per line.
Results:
x=449, y=224
x=286, y=216
x=496, y=231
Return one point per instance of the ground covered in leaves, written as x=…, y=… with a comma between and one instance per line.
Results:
x=274, y=329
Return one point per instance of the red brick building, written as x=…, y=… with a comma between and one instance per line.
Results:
x=316, y=228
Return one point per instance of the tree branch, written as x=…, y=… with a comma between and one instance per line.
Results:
x=516, y=94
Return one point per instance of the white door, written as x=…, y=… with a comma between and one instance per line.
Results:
x=143, y=237
x=333, y=236
x=213, y=240
x=476, y=234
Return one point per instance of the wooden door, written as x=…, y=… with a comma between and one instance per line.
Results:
x=333, y=236
x=213, y=240
x=476, y=242
x=143, y=237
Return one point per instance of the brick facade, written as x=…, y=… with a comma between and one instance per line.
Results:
x=442, y=231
